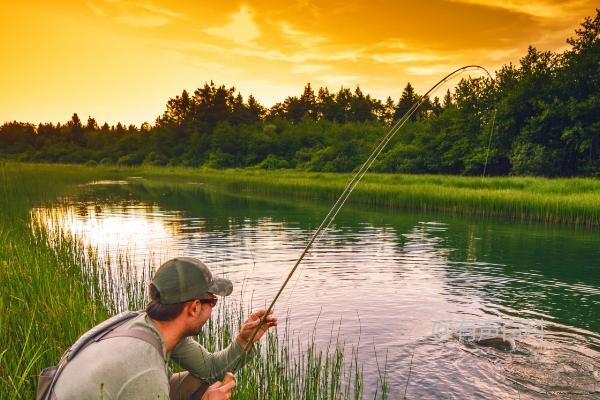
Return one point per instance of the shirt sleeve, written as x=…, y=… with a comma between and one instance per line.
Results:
x=211, y=367
x=148, y=384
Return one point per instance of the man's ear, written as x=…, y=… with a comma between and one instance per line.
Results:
x=193, y=307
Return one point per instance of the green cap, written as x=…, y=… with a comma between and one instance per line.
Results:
x=186, y=278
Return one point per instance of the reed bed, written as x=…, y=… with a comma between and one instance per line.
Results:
x=54, y=289
x=568, y=201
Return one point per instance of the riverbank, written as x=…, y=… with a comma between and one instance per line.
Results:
x=573, y=201
x=568, y=201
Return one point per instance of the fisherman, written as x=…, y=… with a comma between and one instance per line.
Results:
x=182, y=294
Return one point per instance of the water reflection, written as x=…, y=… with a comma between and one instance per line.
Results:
x=386, y=275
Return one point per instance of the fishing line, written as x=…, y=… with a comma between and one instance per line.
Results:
x=341, y=200
x=487, y=152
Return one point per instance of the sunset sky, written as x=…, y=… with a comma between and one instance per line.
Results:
x=121, y=60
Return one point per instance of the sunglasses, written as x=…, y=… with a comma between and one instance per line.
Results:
x=212, y=302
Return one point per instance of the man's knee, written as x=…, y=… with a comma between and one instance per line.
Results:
x=185, y=386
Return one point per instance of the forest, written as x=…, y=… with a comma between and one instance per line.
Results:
x=546, y=108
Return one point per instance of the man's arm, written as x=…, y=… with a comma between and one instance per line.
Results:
x=211, y=367
x=192, y=356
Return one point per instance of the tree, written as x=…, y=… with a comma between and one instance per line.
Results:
x=308, y=102
x=255, y=110
x=178, y=110
x=361, y=107
x=75, y=132
x=389, y=110
x=91, y=124
x=447, y=99
x=325, y=105
x=407, y=100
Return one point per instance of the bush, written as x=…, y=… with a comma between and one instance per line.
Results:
x=91, y=163
x=219, y=160
x=129, y=160
x=405, y=158
x=273, y=162
x=533, y=159
x=154, y=158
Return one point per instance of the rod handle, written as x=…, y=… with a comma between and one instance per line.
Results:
x=228, y=377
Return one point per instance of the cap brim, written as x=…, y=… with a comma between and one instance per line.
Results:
x=221, y=287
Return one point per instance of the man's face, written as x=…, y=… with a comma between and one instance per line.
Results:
x=200, y=313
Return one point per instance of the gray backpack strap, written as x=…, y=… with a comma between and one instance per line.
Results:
x=138, y=334
x=98, y=330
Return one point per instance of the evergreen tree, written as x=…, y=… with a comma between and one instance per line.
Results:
x=325, y=105
x=308, y=102
x=91, y=124
x=447, y=99
x=389, y=110
x=407, y=100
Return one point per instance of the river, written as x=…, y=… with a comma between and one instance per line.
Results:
x=387, y=279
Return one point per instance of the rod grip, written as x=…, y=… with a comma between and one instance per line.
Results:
x=228, y=377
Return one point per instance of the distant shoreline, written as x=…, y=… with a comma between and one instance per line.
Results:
x=567, y=201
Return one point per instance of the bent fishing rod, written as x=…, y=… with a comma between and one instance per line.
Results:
x=341, y=200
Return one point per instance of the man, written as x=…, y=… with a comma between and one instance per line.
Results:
x=182, y=297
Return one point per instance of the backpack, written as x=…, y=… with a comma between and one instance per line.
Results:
x=105, y=330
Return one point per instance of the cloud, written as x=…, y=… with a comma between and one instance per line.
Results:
x=343, y=80
x=241, y=29
x=141, y=21
x=216, y=67
x=391, y=43
x=139, y=14
x=98, y=11
x=408, y=57
x=535, y=8
x=158, y=10
x=184, y=45
x=309, y=68
x=317, y=54
x=439, y=69
x=304, y=39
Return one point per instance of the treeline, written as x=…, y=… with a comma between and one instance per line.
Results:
x=547, y=122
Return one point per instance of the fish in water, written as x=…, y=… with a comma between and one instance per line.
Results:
x=498, y=342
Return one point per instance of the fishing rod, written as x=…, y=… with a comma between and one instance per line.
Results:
x=341, y=200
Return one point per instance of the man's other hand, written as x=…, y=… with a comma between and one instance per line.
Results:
x=219, y=391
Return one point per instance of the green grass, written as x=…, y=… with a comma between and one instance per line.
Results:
x=569, y=201
x=572, y=201
x=54, y=289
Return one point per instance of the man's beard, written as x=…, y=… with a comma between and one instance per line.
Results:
x=194, y=331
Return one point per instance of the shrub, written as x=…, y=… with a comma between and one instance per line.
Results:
x=273, y=162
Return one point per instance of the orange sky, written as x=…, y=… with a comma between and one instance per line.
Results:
x=121, y=60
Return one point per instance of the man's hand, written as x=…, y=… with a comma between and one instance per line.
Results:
x=251, y=323
x=219, y=391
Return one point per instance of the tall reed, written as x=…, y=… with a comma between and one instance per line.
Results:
x=569, y=201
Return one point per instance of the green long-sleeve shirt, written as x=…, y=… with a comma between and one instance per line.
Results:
x=128, y=368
